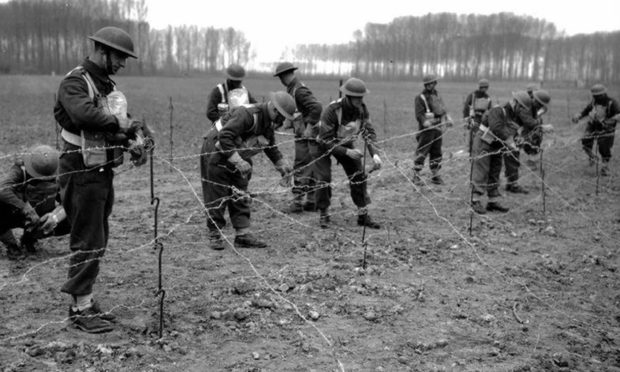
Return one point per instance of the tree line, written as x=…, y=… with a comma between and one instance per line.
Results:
x=44, y=36
x=498, y=46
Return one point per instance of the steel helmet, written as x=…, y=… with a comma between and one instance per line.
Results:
x=115, y=38
x=483, y=83
x=598, y=89
x=523, y=98
x=284, y=103
x=235, y=72
x=354, y=87
x=428, y=79
x=542, y=96
x=41, y=161
x=284, y=67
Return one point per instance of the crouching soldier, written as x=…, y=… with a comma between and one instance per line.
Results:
x=341, y=124
x=29, y=199
x=496, y=136
x=226, y=165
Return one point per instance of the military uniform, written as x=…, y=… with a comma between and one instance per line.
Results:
x=430, y=111
x=306, y=130
x=490, y=141
x=601, y=127
x=247, y=131
x=220, y=94
x=24, y=198
x=87, y=193
x=341, y=123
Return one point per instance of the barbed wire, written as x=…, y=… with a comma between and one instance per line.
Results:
x=451, y=165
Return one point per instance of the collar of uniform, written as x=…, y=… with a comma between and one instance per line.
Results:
x=293, y=84
x=97, y=73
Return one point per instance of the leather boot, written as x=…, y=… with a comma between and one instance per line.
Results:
x=496, y=207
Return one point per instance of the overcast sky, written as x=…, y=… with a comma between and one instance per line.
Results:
x=271, y=25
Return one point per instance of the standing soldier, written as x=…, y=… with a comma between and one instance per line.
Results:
x=603, y=114
x=306, y=130
x=476, y=105
x=29, y=200
x=529, y=123
x=495, y=135
x=432, y=118
x=342, y=122
x=92, y=134
x=228, y=95
x=226, y=165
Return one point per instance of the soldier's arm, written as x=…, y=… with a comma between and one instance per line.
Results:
x=499, y=125
x=526, y=118
x=467, y=104
x=240, y=121
x=420, y=110
x=272, y=151
x=83, y=114
x=214, y=99
x=9, y=186
x=327, y=132
x=307, y=103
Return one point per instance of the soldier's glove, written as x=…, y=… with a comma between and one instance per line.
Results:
x=376, y=162
x=575, y=119
x=511, y=146
x=354, y=154
x=242, y=166
x=286, y=172
x=48, y=223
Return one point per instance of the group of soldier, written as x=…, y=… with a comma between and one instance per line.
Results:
x=71, y=192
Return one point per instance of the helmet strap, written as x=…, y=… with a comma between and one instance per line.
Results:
x=108, y=62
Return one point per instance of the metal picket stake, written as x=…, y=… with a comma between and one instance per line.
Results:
x=157, y=245
x=364, y=227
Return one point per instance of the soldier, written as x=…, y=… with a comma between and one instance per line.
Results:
x=226, y=165
x=342, y=122
x=432, y=118
x=228, y=95
x=477, y=104
x=530, y=124
x=603, y=114
x=495, y=135
x=94, y=133
x=29, y=199
x=306, y=129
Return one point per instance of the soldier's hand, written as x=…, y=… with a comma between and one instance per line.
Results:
x=48, y=223
x=354, y=154
x=427, y=123
x=377, y=162
x=30, y=214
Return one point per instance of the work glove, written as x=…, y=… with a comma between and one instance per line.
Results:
x=242, y=166
x=286, y=172
x=511, y=145
x=47, y=224
x=575, y=118
x=354, y=154
x=376, y=162
x=283, y=167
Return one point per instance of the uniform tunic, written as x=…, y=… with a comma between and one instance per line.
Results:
x=245, y=130
x=332, y=142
